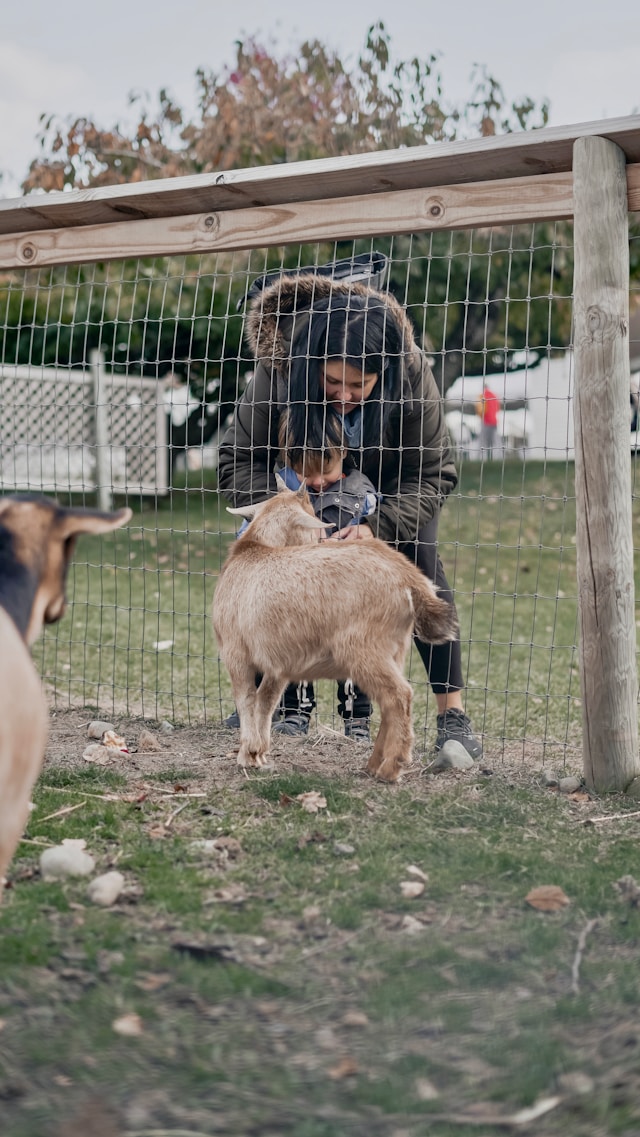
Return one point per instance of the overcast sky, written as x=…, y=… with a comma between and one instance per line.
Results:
x=72, y=58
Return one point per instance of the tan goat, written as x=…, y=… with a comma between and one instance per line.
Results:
x=37, y=539
x=288, y=607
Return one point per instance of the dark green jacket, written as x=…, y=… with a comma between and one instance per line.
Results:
x=413, y=469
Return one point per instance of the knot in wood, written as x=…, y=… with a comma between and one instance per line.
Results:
x=28, y=251
x=435, y=207
x=602, y=326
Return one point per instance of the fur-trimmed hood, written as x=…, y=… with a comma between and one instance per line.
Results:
x=271, y=318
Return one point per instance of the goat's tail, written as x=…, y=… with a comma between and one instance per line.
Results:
x=436, y=621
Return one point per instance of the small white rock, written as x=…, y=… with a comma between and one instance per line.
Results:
x=411, y=889
x=98, y=753
x=575, y=1082
x=96, y=729
x=453, y=756
x=549, y=778
x=106, y=888
x=411, y=925
x=166, y=727
x=147, y=740
x=569, y=785
x=67, y=859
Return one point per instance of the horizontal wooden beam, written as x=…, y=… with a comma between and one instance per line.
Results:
x=508, y=202
x=504, y=156
x=511, y=201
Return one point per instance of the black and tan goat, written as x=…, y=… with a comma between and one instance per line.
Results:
x=37, y=539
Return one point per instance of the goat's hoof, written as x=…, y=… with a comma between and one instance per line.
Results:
x=255, y=761
x=391, y=770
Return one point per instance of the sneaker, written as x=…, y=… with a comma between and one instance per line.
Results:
x=292, y=724
x=357, y=730
x=454, y=725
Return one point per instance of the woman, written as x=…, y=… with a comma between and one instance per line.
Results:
x=341, y=361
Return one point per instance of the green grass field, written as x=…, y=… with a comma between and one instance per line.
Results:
x=138, y=635
x=288, y=986
x=272, y=974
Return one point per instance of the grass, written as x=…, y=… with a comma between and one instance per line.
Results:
x=327, y=1003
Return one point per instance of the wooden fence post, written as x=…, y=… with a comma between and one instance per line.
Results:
x=102, y=441
x=604, y=540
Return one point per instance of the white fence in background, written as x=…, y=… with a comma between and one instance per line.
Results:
x=65, y=430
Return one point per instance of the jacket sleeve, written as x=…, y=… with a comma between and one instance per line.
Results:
x=249, y=448
x=421, y=473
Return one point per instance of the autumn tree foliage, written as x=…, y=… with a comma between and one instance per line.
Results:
x=268, y=108
x=474, y=298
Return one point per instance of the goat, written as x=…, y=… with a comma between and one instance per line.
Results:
x=37, y=539
x=288, y=606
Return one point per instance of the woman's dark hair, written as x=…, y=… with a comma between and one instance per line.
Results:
x=361, y=330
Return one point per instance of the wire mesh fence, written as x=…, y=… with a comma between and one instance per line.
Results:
x=492, y=310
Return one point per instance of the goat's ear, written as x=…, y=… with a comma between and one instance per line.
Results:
x=280, y=483
x=302, y=490
x=75, y=521
x=248, y=511
x=305, y=521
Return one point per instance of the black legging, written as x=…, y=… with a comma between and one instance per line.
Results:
x=442, y=662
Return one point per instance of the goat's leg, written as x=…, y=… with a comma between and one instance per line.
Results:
x=268, y=696
x=392, y=750
x=254, y=743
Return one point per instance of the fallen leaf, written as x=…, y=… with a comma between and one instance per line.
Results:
x=579, y=795
x=228, y=845
x=156, y=832
x=315, y=838
x=413, y=870
x=229, y=894
x=345, y=1068
x=285, y=799
x=411, y=889
x=129, y=1025
x=312, y=801
x=153, y=981
x=547, y=898
x=114, y=741
x=354, y=1018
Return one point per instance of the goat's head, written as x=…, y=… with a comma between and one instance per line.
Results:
x=286, y=519
x=37, y=539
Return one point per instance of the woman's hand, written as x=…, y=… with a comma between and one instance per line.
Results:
x=353, y=533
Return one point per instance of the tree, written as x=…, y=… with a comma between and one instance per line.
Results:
x=269, y=108
x=266, y=109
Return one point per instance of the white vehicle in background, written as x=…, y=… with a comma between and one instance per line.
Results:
x=536, y=415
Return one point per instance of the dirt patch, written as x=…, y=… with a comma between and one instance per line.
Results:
x=208, y=752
